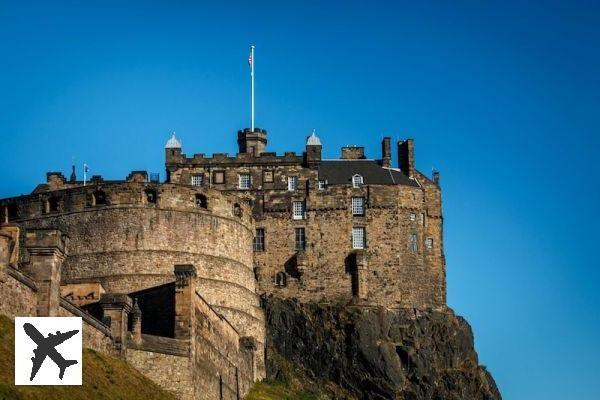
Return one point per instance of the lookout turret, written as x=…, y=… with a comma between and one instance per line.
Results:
x=252, y=142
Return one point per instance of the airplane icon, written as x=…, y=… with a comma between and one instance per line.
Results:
x=46, y=347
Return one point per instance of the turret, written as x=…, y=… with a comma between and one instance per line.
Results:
x=253, y=142
x=313, y=150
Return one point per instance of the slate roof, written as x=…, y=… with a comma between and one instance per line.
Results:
x=340, y=172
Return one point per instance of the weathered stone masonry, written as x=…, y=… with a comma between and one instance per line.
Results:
x=402, y=262
x=168, y=275
x=127, y=242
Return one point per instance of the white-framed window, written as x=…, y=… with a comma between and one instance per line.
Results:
x=321, y=184
x=413, y=216
x=358, y=237
x=429, y=243
x=245, y=181
x=299, y=238
x=259, y=239
x=298, y=210
x=292, y=183
x=412, y=242
x=357, y=181
x=197, y=180
x=358, y=206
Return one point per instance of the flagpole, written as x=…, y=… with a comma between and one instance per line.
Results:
x=252, y=89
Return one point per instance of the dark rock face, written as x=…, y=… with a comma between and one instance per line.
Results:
x=378, y=353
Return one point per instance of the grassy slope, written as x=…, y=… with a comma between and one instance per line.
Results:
x=278, y=391
x=103, y=377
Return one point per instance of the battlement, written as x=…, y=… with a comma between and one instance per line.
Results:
x=136, y=191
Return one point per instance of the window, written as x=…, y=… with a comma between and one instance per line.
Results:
x=201, y=201
x=358, y=206
x=423, y=219
x=99, y=198
x=281, y=279
x=197, y=180
x=219, y=177
x=357, y=181
x=12, y=212
x=412, y=242
x=237, y=210
x=321, y=185
x=245, y=181
x=151, y=196
x=300, y=239
x=429, y=243
x=268, y=176
x=53, y=205
x=358, y=237
x=292, y=183
x=259, y=239
x=413, y=216
x=298, y=210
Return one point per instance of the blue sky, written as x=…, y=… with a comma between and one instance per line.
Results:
x=502, y=97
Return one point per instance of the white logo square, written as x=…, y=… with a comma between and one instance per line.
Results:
x=48, y=350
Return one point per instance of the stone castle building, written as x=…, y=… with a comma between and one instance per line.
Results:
x=169, y=275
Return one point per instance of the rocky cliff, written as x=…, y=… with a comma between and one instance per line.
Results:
x=369, y=353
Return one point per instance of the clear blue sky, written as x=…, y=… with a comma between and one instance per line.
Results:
x=502, y=97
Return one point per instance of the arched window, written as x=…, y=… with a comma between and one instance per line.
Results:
x=201, y=201
x=281, y=279
x=357, y=181
x=99, y=198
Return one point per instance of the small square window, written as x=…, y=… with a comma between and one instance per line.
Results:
x=245, y=181
x=358, y=238
x=201, y=201
x=321, y=185
x=292, y=183
x=300, y=239
x=151, y=196
x=259, y=239
x=298, y=210
x=413, y=216
x=267, y=176
x=429, y=243
x=412, y=242
x=219, y=177
x=197, y=180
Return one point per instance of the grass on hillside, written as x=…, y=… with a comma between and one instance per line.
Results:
x=104, y=377
x=278, y=391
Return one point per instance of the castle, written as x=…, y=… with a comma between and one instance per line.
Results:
x=169, y=275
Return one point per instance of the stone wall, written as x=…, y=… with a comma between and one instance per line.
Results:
x=171, y=372
x=96, y=335
x=18, y=296
x=221, y=370
x=394, y=274
x=128, y=243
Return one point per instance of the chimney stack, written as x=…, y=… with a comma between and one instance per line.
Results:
x=386, y=152
x=353, y=153
x=406, y=157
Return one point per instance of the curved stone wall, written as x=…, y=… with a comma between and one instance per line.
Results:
x=129, y=243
